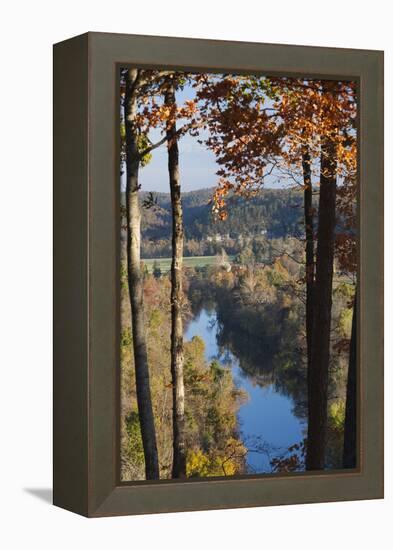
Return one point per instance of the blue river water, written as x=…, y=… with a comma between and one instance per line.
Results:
x=267, y=423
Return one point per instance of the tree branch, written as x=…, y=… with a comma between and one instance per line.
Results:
x=179, y=133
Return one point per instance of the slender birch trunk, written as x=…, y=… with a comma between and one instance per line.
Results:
x=177, y=348
x=135, y=280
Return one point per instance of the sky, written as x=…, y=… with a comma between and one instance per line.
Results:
x=197, y=163
x=197, y=167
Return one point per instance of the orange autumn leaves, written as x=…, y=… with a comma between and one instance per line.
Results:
x=156, y=115
x=241, y=133
x=266, y=127
x=312, y=111
x=153, y=113
x=259, y=127
x=259, y=130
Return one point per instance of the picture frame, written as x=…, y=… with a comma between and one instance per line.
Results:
x=86, y=282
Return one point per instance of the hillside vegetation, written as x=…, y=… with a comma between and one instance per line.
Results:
x=272, y=214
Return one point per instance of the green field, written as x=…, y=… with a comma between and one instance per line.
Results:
x=188, y=261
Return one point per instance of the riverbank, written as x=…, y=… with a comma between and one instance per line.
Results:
x=267, y=423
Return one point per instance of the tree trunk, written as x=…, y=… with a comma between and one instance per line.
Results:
x=177, y=349
x=349, y=454
x=322, y=298
x=310, y=264
x=135, y=280
x=309, y=231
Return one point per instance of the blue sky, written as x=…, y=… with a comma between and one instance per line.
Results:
x=197, y=164
x=197, y=167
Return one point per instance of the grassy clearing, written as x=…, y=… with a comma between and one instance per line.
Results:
x=188, y=261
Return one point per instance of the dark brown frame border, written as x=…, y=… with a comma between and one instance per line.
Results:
x=86, y=274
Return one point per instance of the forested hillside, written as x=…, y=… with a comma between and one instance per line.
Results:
x=238, y=332
x=273, y=213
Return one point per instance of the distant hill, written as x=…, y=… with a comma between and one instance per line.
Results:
x=276, y=211
x=273, y=213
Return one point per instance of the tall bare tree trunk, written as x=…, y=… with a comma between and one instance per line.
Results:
x=177, y=348
x=322, y=298
x=310, y=264
x=135, y=280
x=349, y=454
x=309, y=231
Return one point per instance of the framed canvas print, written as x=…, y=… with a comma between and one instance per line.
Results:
x=218, y=260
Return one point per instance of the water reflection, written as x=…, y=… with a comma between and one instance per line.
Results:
x=269, y=420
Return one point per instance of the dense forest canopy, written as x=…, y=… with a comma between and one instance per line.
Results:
x=273, y=213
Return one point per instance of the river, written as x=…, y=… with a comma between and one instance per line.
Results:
x=268, y=425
